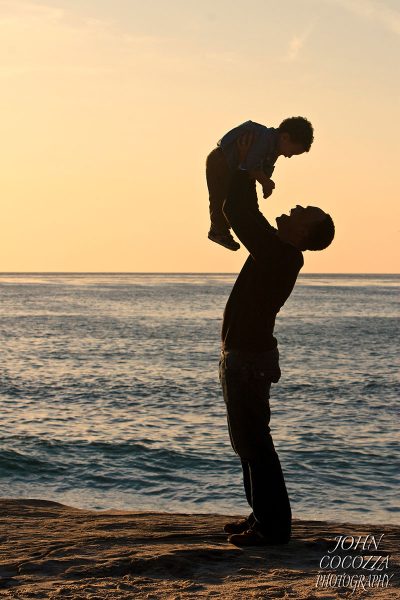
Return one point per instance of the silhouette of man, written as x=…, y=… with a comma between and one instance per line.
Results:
x=249, y=360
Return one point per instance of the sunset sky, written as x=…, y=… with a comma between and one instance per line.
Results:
x=109, y=108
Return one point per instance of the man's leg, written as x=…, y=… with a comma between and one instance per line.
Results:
x=247, y=481
x=271, y=506
x=246, y=393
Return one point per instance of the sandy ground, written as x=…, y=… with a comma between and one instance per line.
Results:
x=48, y=550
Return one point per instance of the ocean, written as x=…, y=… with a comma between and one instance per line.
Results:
x=110, y=397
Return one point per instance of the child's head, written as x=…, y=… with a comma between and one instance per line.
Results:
x=295, y=136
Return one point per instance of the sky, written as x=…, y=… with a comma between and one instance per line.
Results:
x=108, y=109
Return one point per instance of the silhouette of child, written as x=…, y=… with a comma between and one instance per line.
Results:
x=294, y=136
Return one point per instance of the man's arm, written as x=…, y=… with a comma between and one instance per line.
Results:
x=259, y=148
x=244, y=145
x=248, y=223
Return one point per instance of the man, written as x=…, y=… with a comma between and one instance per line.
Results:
x=249, y=358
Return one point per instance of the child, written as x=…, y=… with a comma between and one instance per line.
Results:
x=293, y=136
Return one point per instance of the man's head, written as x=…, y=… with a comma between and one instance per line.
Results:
x=295, y=136
x=308, y=228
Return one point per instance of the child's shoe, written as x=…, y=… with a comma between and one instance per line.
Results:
x=224, y=239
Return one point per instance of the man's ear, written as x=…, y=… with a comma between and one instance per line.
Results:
x=301, y=236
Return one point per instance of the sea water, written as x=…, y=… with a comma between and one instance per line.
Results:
x=110, y=397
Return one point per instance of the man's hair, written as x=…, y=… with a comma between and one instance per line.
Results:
x=320, y=235
x=300, y=130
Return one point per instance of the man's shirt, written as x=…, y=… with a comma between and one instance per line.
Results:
x=267, y=277
x=263, y=152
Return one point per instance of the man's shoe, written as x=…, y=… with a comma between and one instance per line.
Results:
x=252, y=537
x=239, y=526
x=224, y=239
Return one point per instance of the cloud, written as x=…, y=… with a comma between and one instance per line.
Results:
x=373, y=10
x=40, y=41
x=37, y=38
x=297, y=43
x=27, y=13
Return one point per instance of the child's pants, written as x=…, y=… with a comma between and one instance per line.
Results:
x=218, y=177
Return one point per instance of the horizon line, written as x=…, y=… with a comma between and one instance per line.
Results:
x=179, y=273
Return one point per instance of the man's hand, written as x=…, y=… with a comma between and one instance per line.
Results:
x=243, y=144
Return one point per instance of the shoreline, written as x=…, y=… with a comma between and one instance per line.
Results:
x=50, y=550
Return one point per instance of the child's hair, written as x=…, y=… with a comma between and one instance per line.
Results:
x=300, y=130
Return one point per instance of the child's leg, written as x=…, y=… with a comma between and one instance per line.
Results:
x=218, y=176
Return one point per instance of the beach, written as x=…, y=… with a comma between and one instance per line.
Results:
x=49, y=550
x=116, y=471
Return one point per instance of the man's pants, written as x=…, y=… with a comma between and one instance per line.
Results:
x=246, y=380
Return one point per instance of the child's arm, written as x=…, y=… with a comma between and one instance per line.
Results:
x=268, y=185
